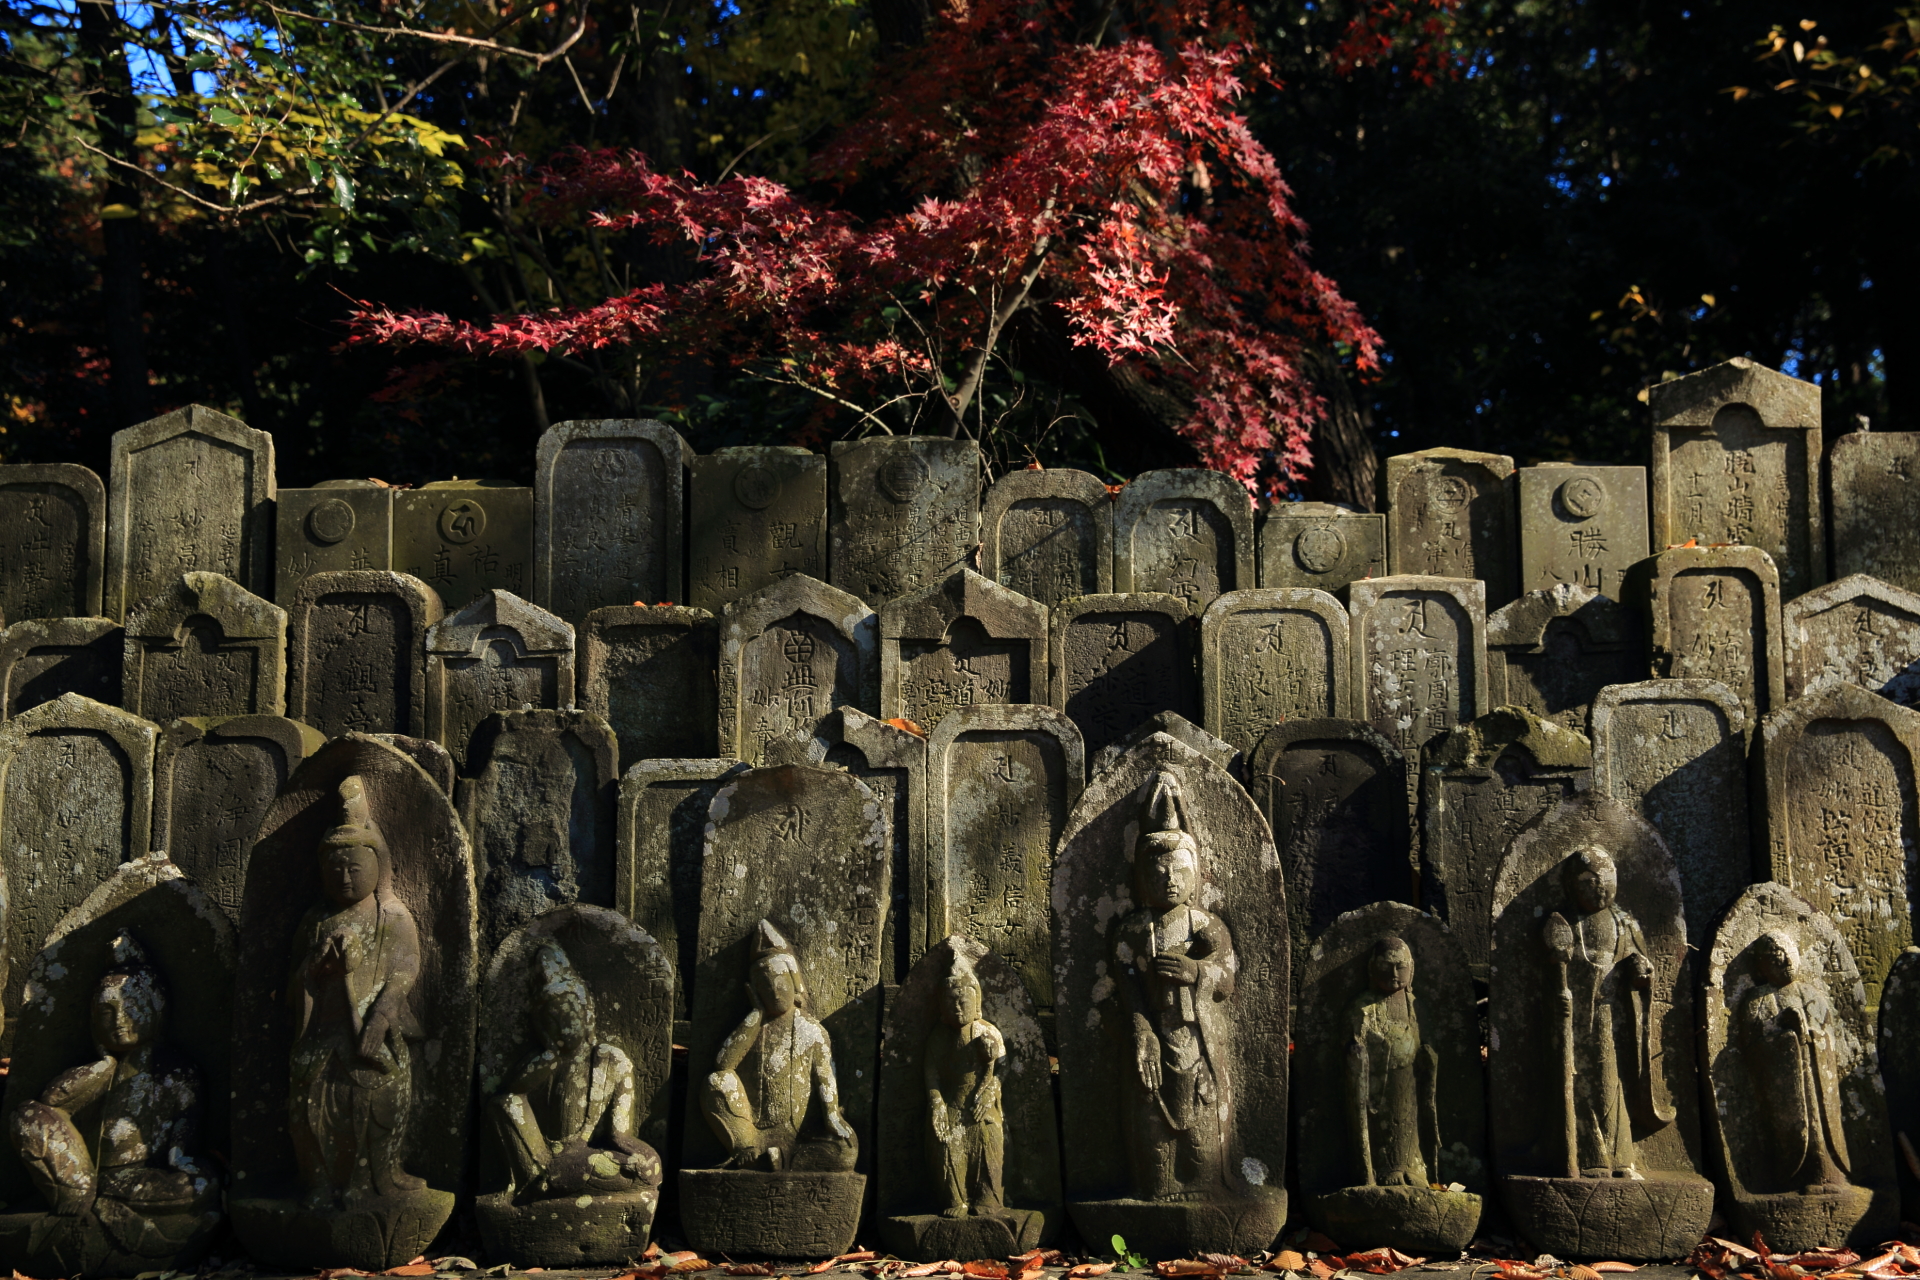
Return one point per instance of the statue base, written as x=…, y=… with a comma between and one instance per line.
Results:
x=773, y=1215
x=1411, y=1219
x=1183, y=1228
x=574, y=1231
x=377, y=1233
x=1793, y=1220
x=932, y=1237
x=1651, y=1219
x=119, y=1243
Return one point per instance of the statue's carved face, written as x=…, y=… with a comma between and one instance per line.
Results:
x=126, y=1012
x=1169, y=877
x=349, y=875
x=1595, y=882
x=962, y=1003
x=1774, y=960
x=1391, y=969
x=775, y=991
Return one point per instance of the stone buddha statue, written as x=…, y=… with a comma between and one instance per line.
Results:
x=1391, y=1074
x=1787, y=1026
x=963, y=1054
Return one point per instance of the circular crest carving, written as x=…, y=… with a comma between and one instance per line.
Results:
x=330, y=521
x=463, y=521
x=903, y=478
x=755, y=487
x=1582, y=497
x=1320, y=549
x=1447, y=494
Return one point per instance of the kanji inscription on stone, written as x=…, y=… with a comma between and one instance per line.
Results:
x=1871, y=476
x=650, y=672
x=1580, y=524
x=1321, y=544
x=1271, y=654
x=497, y=654
x=53, y=541
x=903, y=513
x=42, y=659
x=759, y=515
x=1186, y=533
x=1419, y=655
x=356, y=651
x=1553, y=649
x=336, y=526
x=608, y=516
x=962, y=642
x=205, y=646
x=1450, y=514
x=1713, y=613
x=892, y=761
x=1858, y=630
x=464, y=538
x=789, y=657
x=1119, y=660
x=1048, y=534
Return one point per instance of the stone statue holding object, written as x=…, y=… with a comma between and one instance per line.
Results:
x=1788, y=1027
x=964, y=1110
x=1391, y=1074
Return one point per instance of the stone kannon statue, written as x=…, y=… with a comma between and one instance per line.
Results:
x=772, y=1099
x=1787, y=1030
x=1391, y=1075
x=963, y=1054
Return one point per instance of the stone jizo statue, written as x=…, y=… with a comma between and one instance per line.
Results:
x=964, y=1052
x=772, y=1098
x=1787, y=1026
x=1391, y=1074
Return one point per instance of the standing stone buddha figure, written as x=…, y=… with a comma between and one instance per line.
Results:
x=1787, y=1028
x=1390, y=1073
x=964, y=1052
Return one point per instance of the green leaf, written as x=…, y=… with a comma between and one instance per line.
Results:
x=315, y=172
x=342, y=196
x=236, y=186
x=222, y=116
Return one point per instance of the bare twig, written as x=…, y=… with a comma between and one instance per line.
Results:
x=202, y=201
x=765, y=137
x=970, y=385
x=865, y=414
x=486, y=42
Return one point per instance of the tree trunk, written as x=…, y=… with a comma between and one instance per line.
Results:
x=120, y=270
x=1345, y=467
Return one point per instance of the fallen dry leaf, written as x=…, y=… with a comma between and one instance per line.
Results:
x=1288, y=1260
x=1615, y=1266
x=749, y=1269
x=411, y=1269
x=986, y=1268
x=948, y=1267
x=1088, y=1270
x=1578, y=1272
x=331, y=1273
x=1317, y=1243
x=1320, y=1269
x=1186, y=1267
x=858, y=1255
x=1380, y=1262
x=901, y=722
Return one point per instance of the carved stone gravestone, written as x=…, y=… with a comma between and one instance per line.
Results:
x=1118, y=660
x=790, y=656
x=965, y=641
x=338, y=526
x=1796, y=1109
x=1480, y=787
x=1713, y=613
x=608, y=501
x=1274, y=654
x=759, y=515
x=573, y=1060
x=893, y=762
x=40, y=659
x=1419, y=656
x=497, y=654
x=192, y=490
x=1174, y=725
x=357, y=651
x=1675, y=752
x=1875, y=505
x=786, y=1014
x=650, y=672
x=969, y=1159
x=53, y=541
x=1048, y=534
x=1187, y=533
x=353, y=1083
x=214, y=779
x=1581, y=525
x=1552, y=650
x=426, y=753
x=465, y=538
x=1389, y=1100
x=76, y=801
x=1450, y=514
x=1838, y=769
x=1900, y=1071
x=1591, y=1047
x=1736, y=458
x=902, y=513
x=205, y=646
x=538, y=804
x=1171, y=986
x=1858, y=630
x=1323, y=545
x=116, y=1087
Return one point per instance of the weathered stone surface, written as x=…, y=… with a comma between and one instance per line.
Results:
x=1274, y=654
x=205, y=646
x=426, y=753
x=340, y=526
x=192, y=490
x=1165, y=856
x=793, y=895
x=213, y=780
x=573, y=1057
x=1000, y=783
x=1480, y=787
x=1581, y=525
x=1389, y=1101
x=1713, y=613
x=1118, y=660
x=1838, y=770
x=980, y=1178
x=790, y=656
x=40, y=659
x=1675, y=752
x=1605, y=1081
x=1048, y=534
x=1450, y=514
x=1876, y=508
x=650, y=672
x=76, y=801
x=609, y=516
x=356, y=651
x=465, y=538
x=497, y=654
x=1185, y=533
x=893, y=762
x=1335, y=794
x=1323, y=545
x=1419, y=656
x=1736, y=458
x=962, y=642
x=1899, y=1053
x=397, y=1138
x=902, y=513
x=1858, y=630
x=1552, y=650
x=1795, y=1110
x=759, y=515
x=1174, y=725
x=148, y=945
x=53, y=541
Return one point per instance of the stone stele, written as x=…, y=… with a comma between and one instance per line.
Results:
x=893, y=762
x=1419, y=656
x=205, y=646
x=759, y=515
x=902, y=513
x=1581, y=525
x=1389, y=1101
x=1876, y=512
x=1591, y=1043
x=1858, y=630
x=1450, y=514
x=357, y=651
x=1323, y=545
x=338, y=526
x=1713, y=613
x=1171, y=985
x=573, y=1060
x=1119, y=660
x=649, y=670
x=790, y=656
x=969, y=1163
x=1795, y=1105
x=1174, y=725
x=608, y=500
x=1048, y=534
x=1274, y=654
x=1900, y=1070
x=426, y=753
x=497, y=654
x=962, y=642
x=360, y=895
x=1551, y=651
x=42, y=658
x=53, y=541
x=1187, y=533
x=465, y=538
x=786, y=1015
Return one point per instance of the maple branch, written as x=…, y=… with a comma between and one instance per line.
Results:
x=824, y=394
x=202, y=201
x=970, y=385
x=486, y=42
